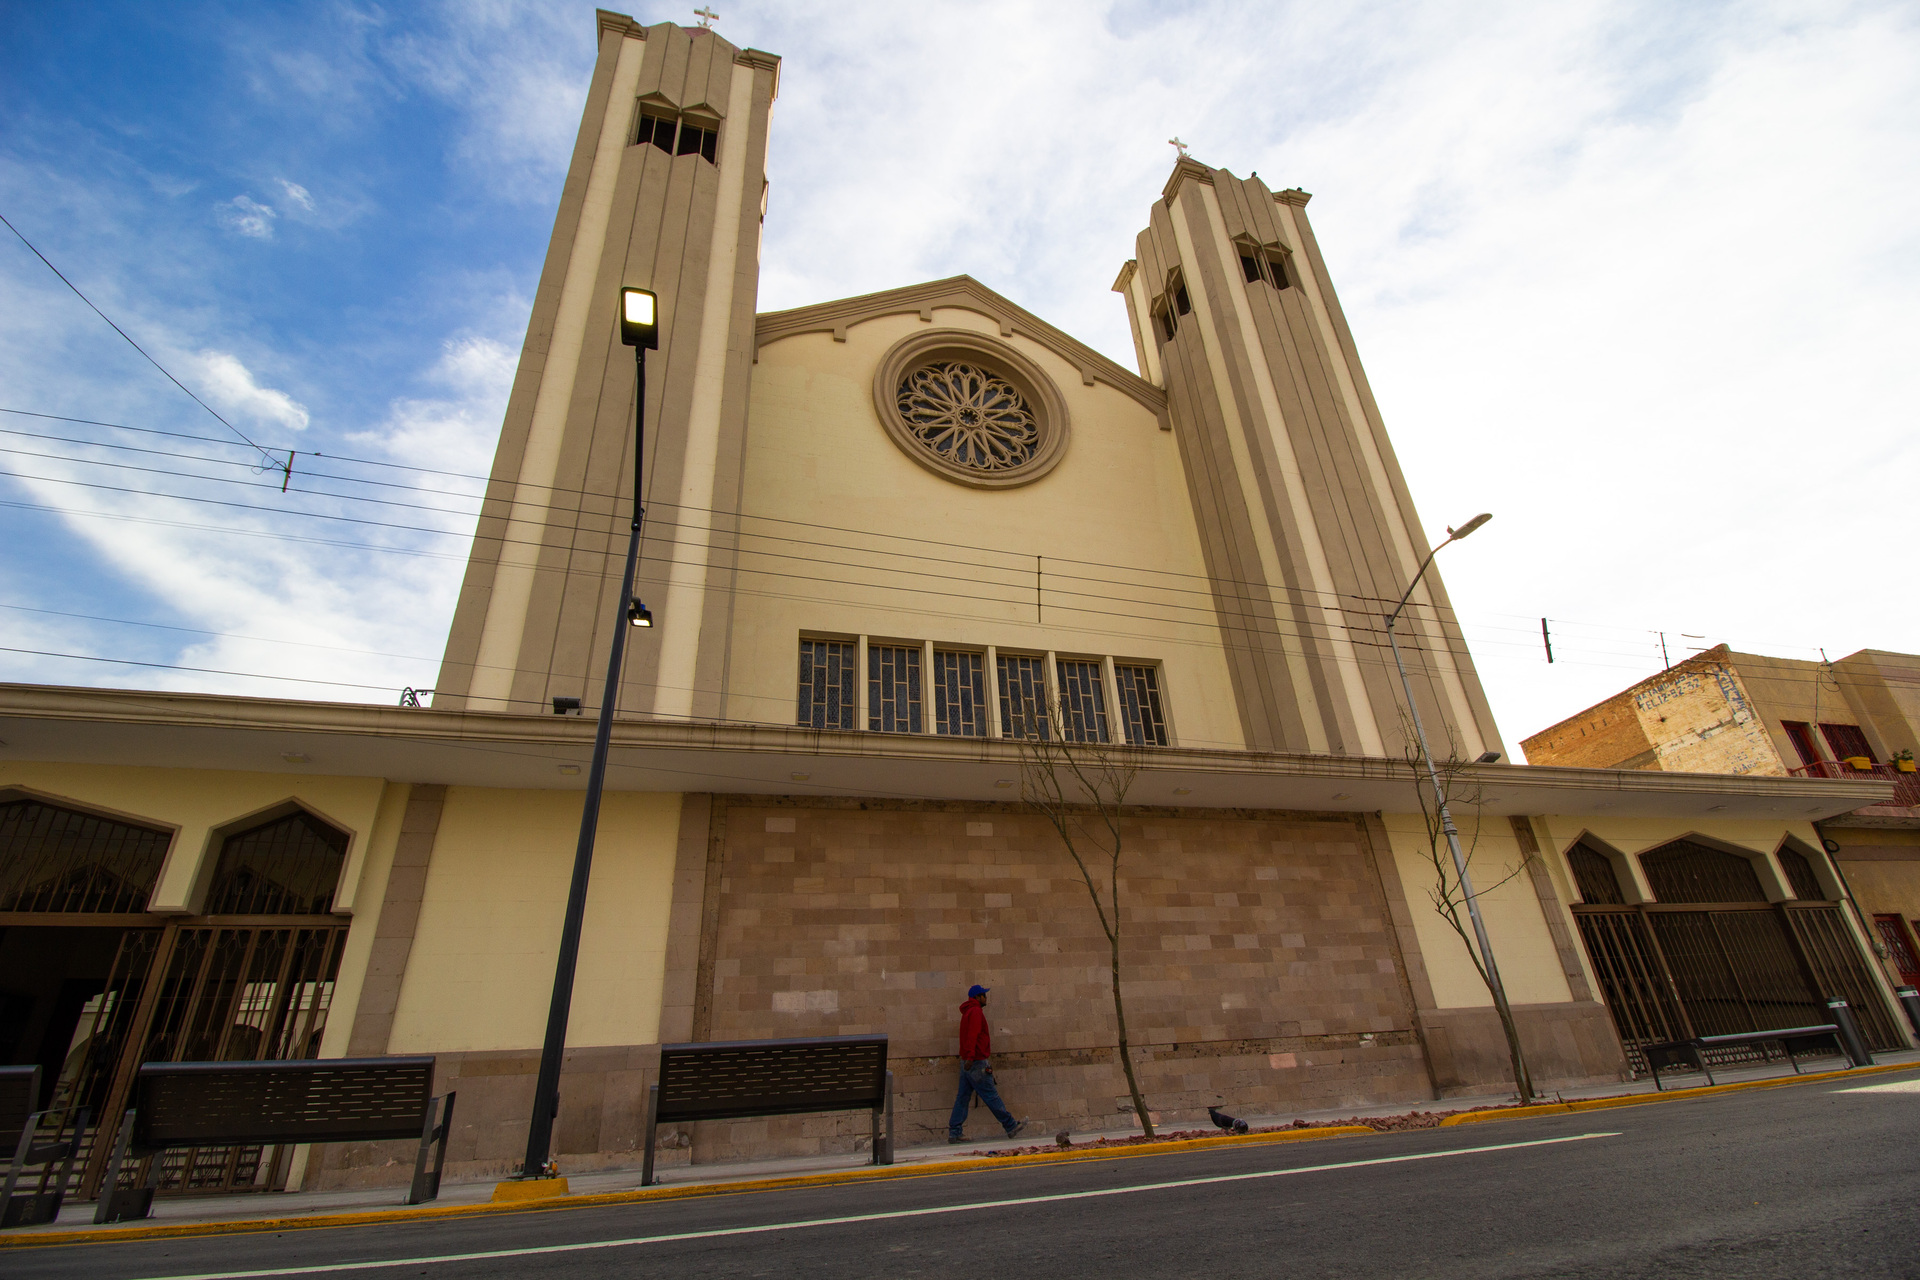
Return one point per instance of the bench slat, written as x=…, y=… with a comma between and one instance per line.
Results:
x=744, y=1079
x=242, y=1103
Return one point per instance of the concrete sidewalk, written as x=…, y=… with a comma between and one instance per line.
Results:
x=280, y=1206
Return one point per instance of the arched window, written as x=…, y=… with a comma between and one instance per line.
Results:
x=1806, y=885
x=1687, y=872
x=288, y=866
x=1594, y=874
x=54, y=859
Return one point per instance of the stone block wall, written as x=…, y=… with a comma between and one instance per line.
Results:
x=1259, y=964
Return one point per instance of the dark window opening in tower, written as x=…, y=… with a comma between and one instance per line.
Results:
x=1180, y=299
x=695, y=140
x=1250, y=265
x=1277, y=267
x=658, y=130
x=1168, y=326
x=676, y=138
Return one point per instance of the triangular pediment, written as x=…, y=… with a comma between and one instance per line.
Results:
x=965, y=293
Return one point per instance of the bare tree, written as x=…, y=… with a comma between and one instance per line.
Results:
x=1447, y=893
x=1079, y=785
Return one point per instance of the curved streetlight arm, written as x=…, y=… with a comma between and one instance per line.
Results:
x=1408, y=595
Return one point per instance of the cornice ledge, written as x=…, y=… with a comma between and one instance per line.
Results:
x=1185, y=168
x=1655, y=782
x=1293, y=196
x=964, y=292
x=200, y=711
x=761, y=60
x=1127, y=271
x=607, y=20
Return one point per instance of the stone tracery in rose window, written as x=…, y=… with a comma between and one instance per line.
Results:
x=969, y=416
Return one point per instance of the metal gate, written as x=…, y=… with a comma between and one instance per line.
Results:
x=1672, y=972
x=235, y=990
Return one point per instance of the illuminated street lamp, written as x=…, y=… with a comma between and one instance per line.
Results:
x=639, y=329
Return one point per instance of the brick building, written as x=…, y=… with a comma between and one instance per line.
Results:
x=877, y=528
x=1724, y=712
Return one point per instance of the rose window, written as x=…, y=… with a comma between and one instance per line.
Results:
x=968, y=416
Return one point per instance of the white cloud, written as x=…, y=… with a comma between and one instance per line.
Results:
x=297, y=195
x=517, y=74
x=456, y=432
x=231, y=386
x=248, y=217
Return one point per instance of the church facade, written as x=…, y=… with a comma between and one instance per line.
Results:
x=887, y=538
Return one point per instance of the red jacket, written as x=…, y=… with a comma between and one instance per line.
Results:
x=975, y=1043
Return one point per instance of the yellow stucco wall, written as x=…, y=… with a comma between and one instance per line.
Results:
x=821, y=458
x=198, y=802
x=1522, y=946
x=481, y=970
x=370, y=892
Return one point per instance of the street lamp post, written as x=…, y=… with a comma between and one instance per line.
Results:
x=1522, y=1078
x=639, y=329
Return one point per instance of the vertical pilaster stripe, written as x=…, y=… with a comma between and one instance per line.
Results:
x=1427, y=620
x=687, y=578
x=1319, y=572
x=513, y=578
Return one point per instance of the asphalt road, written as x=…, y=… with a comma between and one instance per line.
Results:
x=1812, y=1180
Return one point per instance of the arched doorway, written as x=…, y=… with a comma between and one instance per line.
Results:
x=1710, y=955
x=108, y=986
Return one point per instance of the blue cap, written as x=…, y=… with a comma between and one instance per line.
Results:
x=975, y=991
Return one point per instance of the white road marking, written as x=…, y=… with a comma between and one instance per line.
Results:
x=536, y=1250
x=1892, y=1086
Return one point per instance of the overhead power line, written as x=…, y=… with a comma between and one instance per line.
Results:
x=1228, y=605
x=130, y=342
x=1525, y=623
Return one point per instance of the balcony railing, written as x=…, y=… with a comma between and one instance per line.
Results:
x=1906, y=786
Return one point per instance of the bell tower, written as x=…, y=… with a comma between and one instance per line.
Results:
x=1308, y=529
x=666, y=191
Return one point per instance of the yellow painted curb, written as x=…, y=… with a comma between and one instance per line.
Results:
x=1670, y=1095
x=369, y=1217
x=514, y=1190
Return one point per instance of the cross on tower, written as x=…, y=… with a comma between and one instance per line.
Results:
x=1178, y=145
x=707, y=18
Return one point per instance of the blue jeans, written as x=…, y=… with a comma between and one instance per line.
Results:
x=975, y=1078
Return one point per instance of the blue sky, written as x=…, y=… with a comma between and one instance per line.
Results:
x=1639, y=278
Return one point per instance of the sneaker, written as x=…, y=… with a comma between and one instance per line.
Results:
x=1019, y=1127
x=957, y=1141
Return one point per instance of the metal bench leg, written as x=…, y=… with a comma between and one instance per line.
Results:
x=446, y=1136
x=653, y=1113
x=1791, y=1060
x=889, y=1159
x=426, y=1186
x=1700, y=1061
x=19, y=1161
x=66, y=1170
x=110, y=1193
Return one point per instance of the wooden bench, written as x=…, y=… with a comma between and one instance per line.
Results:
x=232, y=1104
x=21, y=1133
x=1668, y=1053
x=741, y=1079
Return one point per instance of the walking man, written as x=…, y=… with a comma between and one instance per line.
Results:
x=976, y=1073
